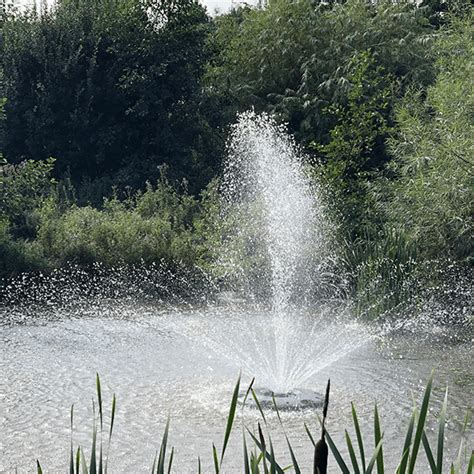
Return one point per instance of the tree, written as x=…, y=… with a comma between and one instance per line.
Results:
x=110, y=89
x=429, y=183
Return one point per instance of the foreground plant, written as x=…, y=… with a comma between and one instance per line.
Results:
x=260, y=457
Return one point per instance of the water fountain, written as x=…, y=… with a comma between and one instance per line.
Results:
x=275, y=244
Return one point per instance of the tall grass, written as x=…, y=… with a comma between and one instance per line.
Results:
x=258, y=452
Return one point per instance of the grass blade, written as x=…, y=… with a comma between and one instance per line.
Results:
x=78, y=459
x=153, y=468
x=199, y=465
x=38, y=468
x=350, y=448
x=360, y=441
x=378, y=438
x=230, y=418
x=420, y=425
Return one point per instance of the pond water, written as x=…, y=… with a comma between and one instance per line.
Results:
x=146, y=356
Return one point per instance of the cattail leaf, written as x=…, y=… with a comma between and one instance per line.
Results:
x=350, y=448
x=216, y=459
x=247, y=393
x=246, y=455
x=199, y=465
x=78, y=459
x=293, y=457
x=471, y=463
x=378, y=437
x=263, y=448
x=254, y=395
x=38, y=468
x=112, y=416
x=407, y=444
x=153, y=468
x=99, y=398
x=272, y=457
x=230, y=418
x=442, y=424
x=360, y=441
x=170, y=463
x=71, y=454
x=429, y=453
x=263, y=457
x=373, y=459
x=420, y=425
x=310, y=436
x=93, y=466
x=84, y=463
x=164, y=443
x=335, y=452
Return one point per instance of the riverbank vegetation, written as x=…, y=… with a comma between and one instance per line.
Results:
x=260, y=456
x=114, y=119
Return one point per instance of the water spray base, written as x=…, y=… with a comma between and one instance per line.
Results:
x=294, y=400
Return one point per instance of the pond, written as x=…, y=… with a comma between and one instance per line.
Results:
x=148, y=355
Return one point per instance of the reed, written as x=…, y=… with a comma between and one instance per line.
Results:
x=260, y=457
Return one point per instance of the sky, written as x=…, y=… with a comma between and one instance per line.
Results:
x=221, y=6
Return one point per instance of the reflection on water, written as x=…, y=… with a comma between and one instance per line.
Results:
x=145, y=356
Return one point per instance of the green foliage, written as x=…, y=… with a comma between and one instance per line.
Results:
x=293, y=58
x=356, y=148
x=23, y=188
x=18, y=255
x=427, y=191
x=110, y=89
x=148, y=227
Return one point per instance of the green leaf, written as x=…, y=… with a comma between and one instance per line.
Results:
x=350, y=448
x=310, y=436
x=406, y=446
x=337, y=455
x=164, y=443
x=420, y=425
x=246, y=455
x=370, y=467
x=360, y=441
x=471, y=463
x=254, y=395
x=442, y=424
x=429, y=453
x=378, y=438
x=170, y=463
x=38, y=467
x=99, y=398
x=230, y=418
x=263, y=453
x=216, y=459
